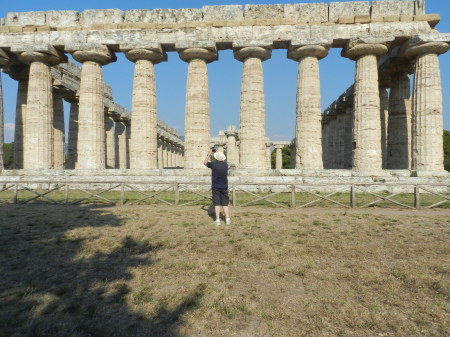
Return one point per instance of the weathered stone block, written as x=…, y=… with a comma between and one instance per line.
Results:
x=101, y=16
x=419, y=7
x=25, y=19
x=144, y=15
x=346, y=20
x=362, y=19
x=339, y=33
x=264, y=11
x=391, y=18
x=432, y=19
x=28, y=29
x=407, y=18
x=348, y=9
x=399, y=29
x=313, y=12
x=392, y=7
x=62, y=18
x=182, y=15
x=2, y=21
x=216, y=13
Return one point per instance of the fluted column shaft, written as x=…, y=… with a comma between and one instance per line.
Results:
x=160, y=155
x=384, y=112
x=38, y=146
x=252, y=150
x=268, y=156
x=427, y=120
x=366, y=102
x=279, y=157
x=58, y=131
x=19, y=131
x=197, y=115
x=399, y=123
x=91, y=116
x=143, y=141
x=72, y=141
x=308, y=111
x=232, y=151
x=110, y=143
x=121, y=145
x=128, y=138
x=348, y=146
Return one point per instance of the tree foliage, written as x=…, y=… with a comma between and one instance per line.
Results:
x=285, y=155
x=8, y=155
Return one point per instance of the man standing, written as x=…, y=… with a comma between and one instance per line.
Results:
x=219, y=184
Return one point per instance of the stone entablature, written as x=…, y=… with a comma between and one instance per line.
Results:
x=215, y=16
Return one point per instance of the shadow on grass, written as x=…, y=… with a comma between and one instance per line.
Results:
x=49, y=288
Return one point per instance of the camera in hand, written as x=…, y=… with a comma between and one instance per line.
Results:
x=214, y=149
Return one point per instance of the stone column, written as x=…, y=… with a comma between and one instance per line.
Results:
x=232, y=151
x=268, y=155
x=91, y=117
x=166, y=153
x=38, y=137
x=399, y=123
x=197, y=120
x=339, y=140
x=325, y=137
x=128, y=138
x=160, y=154
x=143, y=141
x=19, y=131
x=252, y=150
x=308, y=116
x=1, y=121
x=348, y=146
x=110, y=143
x=366, y=102
x=384, y=113
x=279, y=156
x=58, y=130
x=427, y=122
x=73, y=136
x=121, y=145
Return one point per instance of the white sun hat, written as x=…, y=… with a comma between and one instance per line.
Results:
x=220, y=156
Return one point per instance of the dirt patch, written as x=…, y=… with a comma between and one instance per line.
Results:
x=167, y=271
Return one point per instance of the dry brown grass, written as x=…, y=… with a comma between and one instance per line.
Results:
x=163, y=271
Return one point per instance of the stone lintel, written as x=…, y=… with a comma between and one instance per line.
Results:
x=96, y=53
x=239, y=44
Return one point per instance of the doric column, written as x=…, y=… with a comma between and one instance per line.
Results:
x=73, y=135
x=38, y=137
x=252, y=150
x=268, y=154
x=427, y=122
x=308, y=116
x=399, y=121
x=91, y=117
x=160, y=154
x=197, y=118
x=232, y=151
x=120, y=136
x=128, y=138
x=143, y=142
x=58, y=130
x=19, y=130
x=166, y=153
x=384, y=113
x=325, y=137
x=279, y=156
x=348, y=145
x=110, y=143
x=366, y=102
x=339, y=140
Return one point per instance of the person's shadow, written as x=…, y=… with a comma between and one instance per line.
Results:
x=49, y=287
x=211, y=213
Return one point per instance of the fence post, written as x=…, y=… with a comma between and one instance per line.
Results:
x=352, y=197
x=176, y=190
x=416, y=197
x=15, y=193
x=292, y=195
x=234, y=196
x=122, y=194
x=66, y=193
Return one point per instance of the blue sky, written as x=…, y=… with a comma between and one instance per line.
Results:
x=280, y=73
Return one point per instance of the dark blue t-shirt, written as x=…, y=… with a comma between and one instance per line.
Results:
x=219, y=176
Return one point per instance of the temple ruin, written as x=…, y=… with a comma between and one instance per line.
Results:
x=380, y=127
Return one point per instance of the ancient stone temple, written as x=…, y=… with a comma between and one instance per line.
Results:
x=378, y=125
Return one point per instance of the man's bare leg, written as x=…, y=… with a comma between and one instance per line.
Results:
x=217, y=211
x=226, y=210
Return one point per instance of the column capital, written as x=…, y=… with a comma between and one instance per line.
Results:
x=208, y=54
x=48, y=55
x=5, y=58
x=371, y=46
x=155, y=55
x=315, y=50
x=100, y=54
x=413, y=49
x=243, y=53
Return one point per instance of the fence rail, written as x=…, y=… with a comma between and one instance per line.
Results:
x=242, y=194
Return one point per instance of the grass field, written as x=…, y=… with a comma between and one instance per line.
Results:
x=157, y=270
